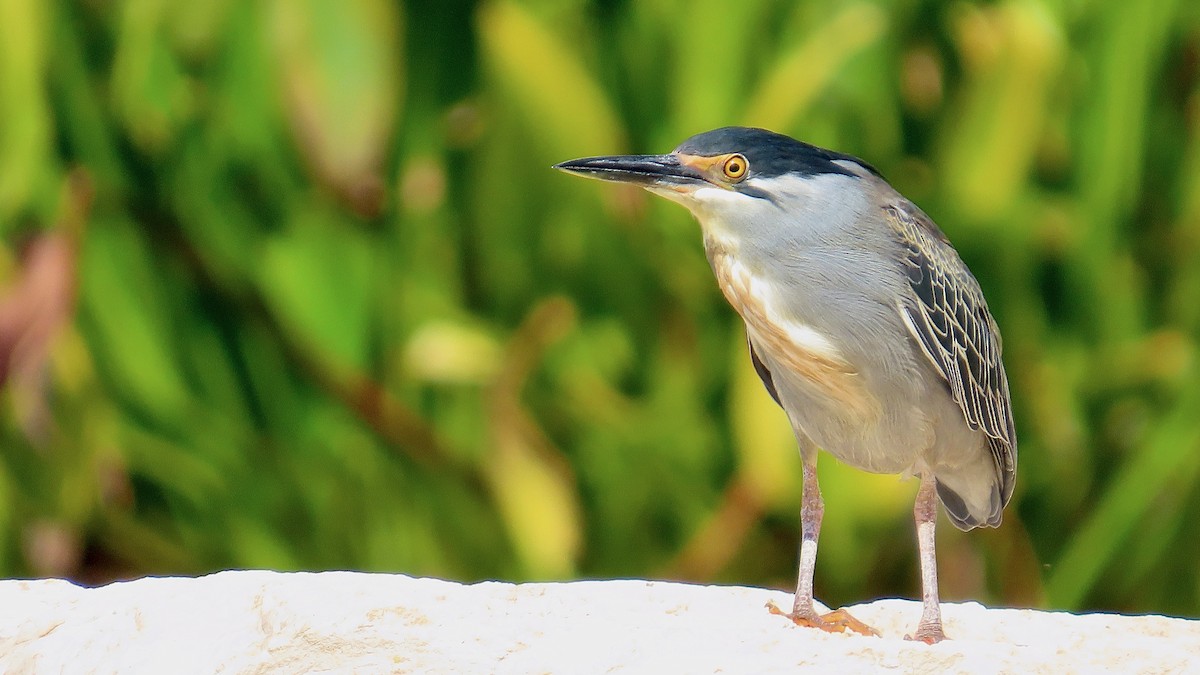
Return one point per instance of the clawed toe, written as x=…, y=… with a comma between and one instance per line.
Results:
x=837, y=621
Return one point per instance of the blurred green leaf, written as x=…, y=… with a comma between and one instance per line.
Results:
x=803, y=72
x=150, y=92
x=25, y=120
x=318, y=280
x=1012, y=53
x=1124, y=55
x=567, y=107
x=539, y=507
x=1103, y=539
x=341, y=78
x=711, y=62
x=129, y=317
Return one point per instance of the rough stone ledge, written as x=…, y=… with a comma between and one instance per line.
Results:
x=345, y=622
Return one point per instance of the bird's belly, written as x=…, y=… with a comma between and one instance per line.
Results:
x=884, y=433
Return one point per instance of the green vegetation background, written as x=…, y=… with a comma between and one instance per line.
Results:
x=290, y=284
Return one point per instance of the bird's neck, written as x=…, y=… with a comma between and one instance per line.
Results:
x=729, y=267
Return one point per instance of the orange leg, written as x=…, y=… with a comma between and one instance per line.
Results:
x=812, y=509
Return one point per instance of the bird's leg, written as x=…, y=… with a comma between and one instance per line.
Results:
x=925, y=514
x=812, y=509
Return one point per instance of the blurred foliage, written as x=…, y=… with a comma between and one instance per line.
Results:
x=290, y=284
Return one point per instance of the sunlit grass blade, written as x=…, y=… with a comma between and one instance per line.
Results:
x=1013, y=54
x=341, y=77
x=802, y=73
x=554, y=90
x=711, y=60
x=1171, y=450
x=25, y=120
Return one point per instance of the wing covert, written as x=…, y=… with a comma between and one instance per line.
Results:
x=949, y=318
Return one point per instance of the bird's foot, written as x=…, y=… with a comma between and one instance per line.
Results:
x=929, y=633
x=837, y=621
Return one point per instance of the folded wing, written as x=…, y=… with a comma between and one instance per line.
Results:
x=949, y=318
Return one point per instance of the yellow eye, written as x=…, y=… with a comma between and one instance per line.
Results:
x=736, y=167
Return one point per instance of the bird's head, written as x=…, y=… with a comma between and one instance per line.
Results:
x=728, y=175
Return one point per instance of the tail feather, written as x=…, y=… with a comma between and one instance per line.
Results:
x=963, y=517
x=975, y=494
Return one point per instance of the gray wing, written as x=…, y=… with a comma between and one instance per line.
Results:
x=950, y=319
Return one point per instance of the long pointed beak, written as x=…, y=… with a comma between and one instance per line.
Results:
x=643, y=170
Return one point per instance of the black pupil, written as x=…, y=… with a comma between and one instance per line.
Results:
x=735, y=167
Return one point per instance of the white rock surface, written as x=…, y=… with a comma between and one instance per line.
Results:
x=343, y=622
